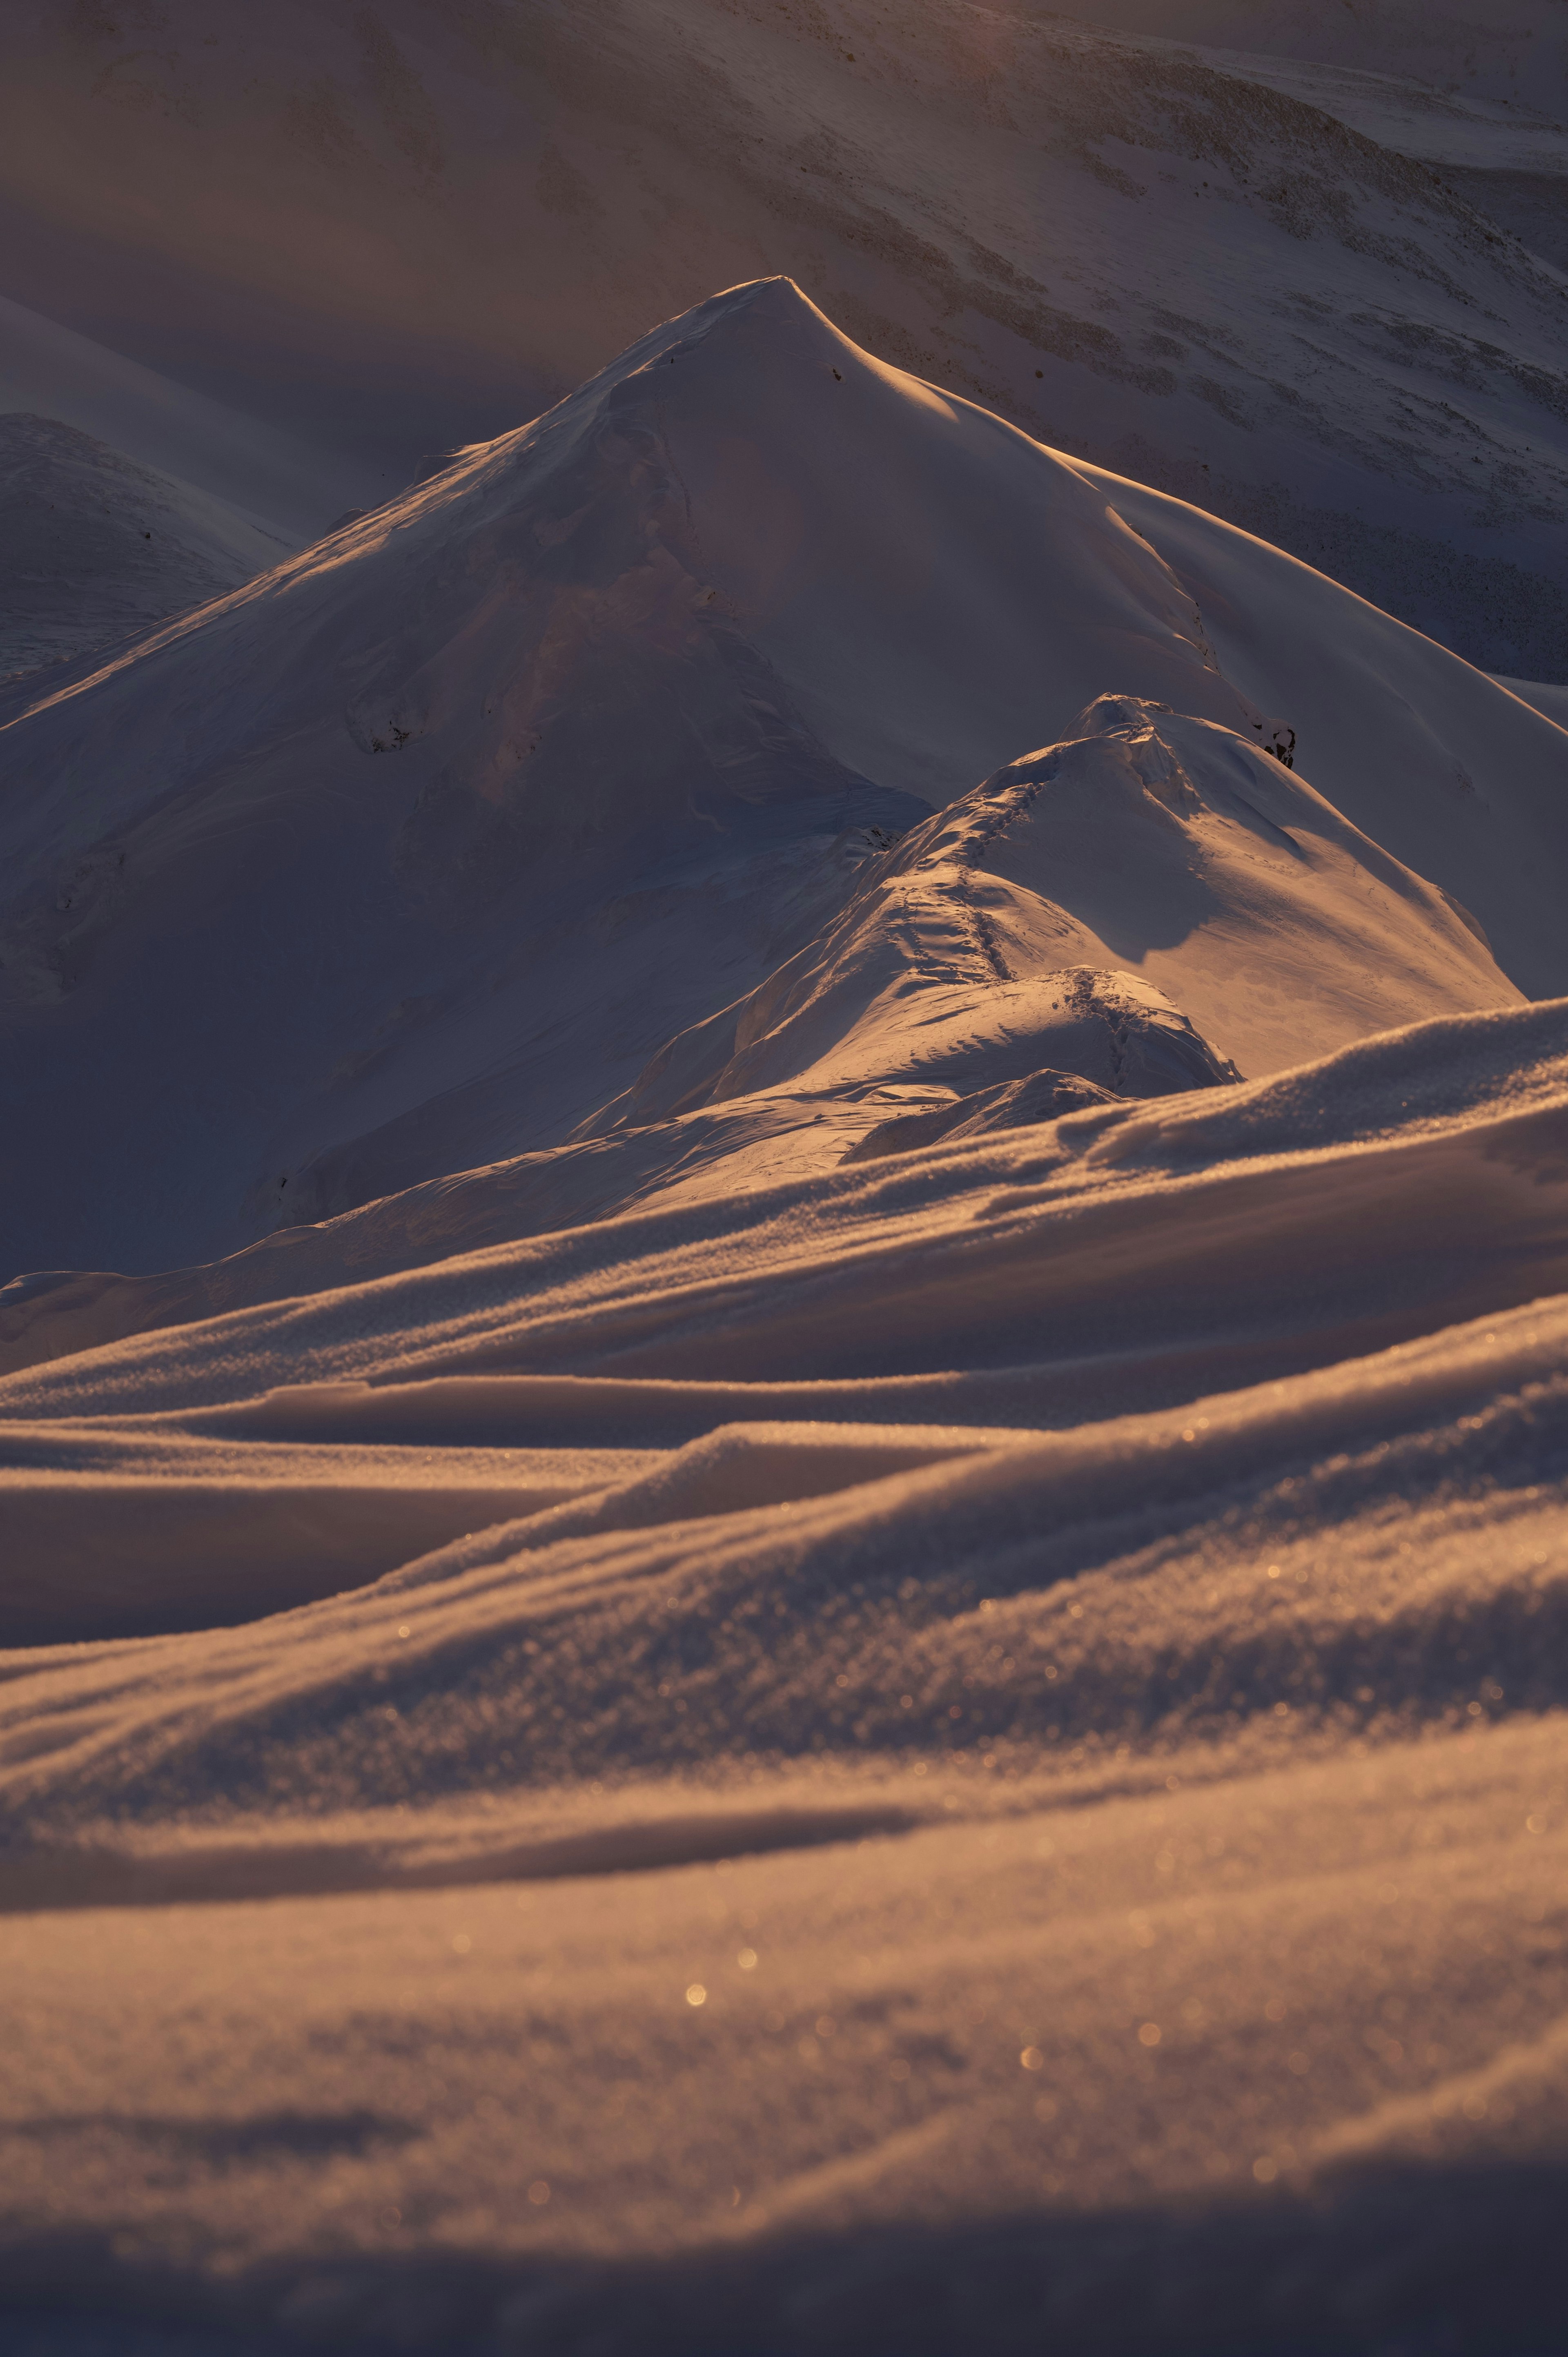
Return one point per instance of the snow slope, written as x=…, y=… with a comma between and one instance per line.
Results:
x=300, y=888
x=97, y=548
x=1516, y=54
x=1550, y=701
x=225, y=459
x=1174, y=846
x=1503, y=153
x=1040, y=1713
x=407, y=227
x=125, y=498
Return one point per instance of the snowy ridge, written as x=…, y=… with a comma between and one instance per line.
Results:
x=628, y=665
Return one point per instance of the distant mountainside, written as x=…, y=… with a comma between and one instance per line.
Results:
x=292, y=490
x=1266, y=283
x=93, y=548
x=127, y=498
x=1517, y=51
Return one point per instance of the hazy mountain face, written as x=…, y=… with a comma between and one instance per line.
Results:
x=1517, y=53
x=398, y=228
x=98, y=548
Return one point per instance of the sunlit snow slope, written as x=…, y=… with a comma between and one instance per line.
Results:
x=784, y=1443
x=904, y=1763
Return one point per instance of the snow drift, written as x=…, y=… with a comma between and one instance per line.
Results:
x=1046, y=1517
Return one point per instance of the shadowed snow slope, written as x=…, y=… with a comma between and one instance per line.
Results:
x=94, y=548
x=410, y=854
x=1553, y=702
x=1517, y=53
x=125, y=498
x=213, y=453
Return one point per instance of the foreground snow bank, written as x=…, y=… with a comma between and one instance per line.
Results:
x=948, y=1743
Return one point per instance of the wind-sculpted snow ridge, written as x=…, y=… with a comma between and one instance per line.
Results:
x=1032, y=1671
x=1180, y=845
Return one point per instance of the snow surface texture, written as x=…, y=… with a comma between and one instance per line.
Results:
x=868, y=1657
x=1277, y=277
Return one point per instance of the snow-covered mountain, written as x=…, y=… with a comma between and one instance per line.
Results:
x=410, y=855
x=125, y=498
x=252, y=473
x=97, y=548
x=1516, y=53
x=401, y=228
